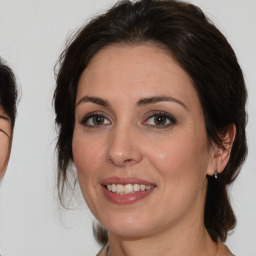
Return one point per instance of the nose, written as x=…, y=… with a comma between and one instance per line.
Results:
x=124, y=147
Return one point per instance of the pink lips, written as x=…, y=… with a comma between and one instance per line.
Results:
x=125, y=180
x=125, y=198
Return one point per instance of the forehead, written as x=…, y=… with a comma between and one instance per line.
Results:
x=135, y=71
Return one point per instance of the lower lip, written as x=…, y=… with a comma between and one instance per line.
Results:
x=126, y=198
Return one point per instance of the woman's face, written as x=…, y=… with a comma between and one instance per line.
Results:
x=5, y=134
x=139, y=126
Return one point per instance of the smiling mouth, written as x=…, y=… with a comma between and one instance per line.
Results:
x=127, y=189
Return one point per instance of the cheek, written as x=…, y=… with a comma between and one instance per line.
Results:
x=181, y=164
x=88, y=154
x=4, y=152
x=181, y=160
x=84, y=154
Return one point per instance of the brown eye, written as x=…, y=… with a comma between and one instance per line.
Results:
x=94, y=120
x=160, y=120
x=98, y=120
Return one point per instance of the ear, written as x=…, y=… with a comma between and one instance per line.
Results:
x=220, y=154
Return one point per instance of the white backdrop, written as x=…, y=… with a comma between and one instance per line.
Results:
x=32, y=35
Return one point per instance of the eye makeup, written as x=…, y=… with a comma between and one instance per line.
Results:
x=95, y=119
x=155, y=119
x=159, y=119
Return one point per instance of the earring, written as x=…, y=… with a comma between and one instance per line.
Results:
x=216, y=174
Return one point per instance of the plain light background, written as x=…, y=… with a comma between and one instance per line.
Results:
x=32, y=35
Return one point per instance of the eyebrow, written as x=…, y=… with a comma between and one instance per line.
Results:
x=5, y=118
x=153, y=100
x=141, y=102
x=94, y=100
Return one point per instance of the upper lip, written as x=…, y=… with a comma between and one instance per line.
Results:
x=125, y=180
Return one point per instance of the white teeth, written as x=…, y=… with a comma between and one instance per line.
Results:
x=113, y=188
x=119, y=189
x=128, y=188
x=136, y=187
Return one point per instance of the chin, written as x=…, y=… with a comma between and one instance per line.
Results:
x=128, y=231
x=128, y=225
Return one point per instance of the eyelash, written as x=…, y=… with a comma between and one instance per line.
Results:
x=87, y=118
x=172, y=120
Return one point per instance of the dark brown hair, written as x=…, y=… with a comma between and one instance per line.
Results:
x=8, y=92
x=202, y=51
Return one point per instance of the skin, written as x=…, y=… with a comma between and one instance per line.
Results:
x=128, y=142
x=5, y=135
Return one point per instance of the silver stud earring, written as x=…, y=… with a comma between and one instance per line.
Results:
x=216, y=174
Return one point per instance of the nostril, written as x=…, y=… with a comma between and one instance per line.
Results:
x=127, y=161
x=120, y=161
x=109, y=160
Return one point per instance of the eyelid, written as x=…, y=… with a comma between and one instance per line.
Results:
x=159, y=112
x=93, y=113
x=153, y=113
x=148, y=115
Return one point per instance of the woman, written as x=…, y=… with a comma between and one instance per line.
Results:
x=150, y=106
x=8, y=98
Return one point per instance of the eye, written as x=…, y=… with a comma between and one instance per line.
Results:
x=160, y=120
x=95, y=120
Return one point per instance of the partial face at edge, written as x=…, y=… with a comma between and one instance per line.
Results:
x=5, y=140
x=138, y=116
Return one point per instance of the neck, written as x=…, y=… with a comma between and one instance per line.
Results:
x=187, y=237
x=190, y=242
